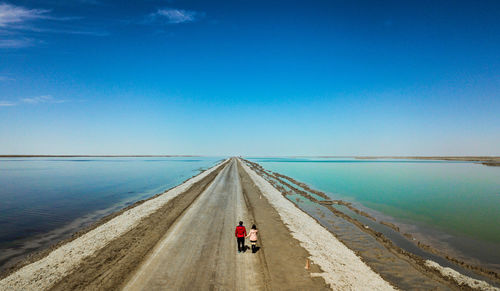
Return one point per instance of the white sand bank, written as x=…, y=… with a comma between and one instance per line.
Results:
x=461, y=279
x=44, y=273
x=343, y=270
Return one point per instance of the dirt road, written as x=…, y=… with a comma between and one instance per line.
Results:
x=199, y=250
x=183, y=239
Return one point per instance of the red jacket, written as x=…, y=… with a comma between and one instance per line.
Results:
x=240, y=231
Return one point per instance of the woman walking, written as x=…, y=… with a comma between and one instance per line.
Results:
x=253, y=238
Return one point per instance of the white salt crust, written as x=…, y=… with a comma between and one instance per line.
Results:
x=461, y=279
x=342, y=269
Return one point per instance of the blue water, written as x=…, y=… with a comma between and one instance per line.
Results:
x=40, y=196
x=455, y=205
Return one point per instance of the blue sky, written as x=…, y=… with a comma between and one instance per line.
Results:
x=250, y=77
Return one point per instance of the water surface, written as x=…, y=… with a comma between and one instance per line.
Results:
x=43, y=200
x=452, y=205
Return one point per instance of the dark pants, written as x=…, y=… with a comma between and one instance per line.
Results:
x=254, y=247
x=241, y=243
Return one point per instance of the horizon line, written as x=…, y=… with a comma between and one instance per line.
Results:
x=250, y=156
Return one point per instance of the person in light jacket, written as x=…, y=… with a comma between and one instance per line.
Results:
x=253, y=238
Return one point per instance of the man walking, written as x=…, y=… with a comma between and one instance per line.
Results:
x=240, y=234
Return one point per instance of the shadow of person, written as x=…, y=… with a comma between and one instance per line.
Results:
x=257, y=249
x=245, y=248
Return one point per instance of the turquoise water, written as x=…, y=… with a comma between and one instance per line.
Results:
x=43, y=200
x=455, y=202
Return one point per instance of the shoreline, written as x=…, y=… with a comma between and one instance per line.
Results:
x=93, y=237
x=492, y=161
x=419, y=261
x=107, y=247
x=341, y=267
x=116, y=258
x=42, y=242
x=323, y=200
x=213, y=262
x=29, y=245
x=402, y=229
x=98, y=156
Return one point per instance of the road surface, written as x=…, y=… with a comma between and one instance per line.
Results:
x=199, y=251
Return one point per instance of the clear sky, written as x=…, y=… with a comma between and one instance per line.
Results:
x=250, y=77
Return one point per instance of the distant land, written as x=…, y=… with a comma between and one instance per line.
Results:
x=485, y=160
x=94, y=156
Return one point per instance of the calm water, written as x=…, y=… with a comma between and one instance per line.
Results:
x=45, y=199
x=454, y=205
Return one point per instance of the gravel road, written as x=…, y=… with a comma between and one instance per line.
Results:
x=199, y=251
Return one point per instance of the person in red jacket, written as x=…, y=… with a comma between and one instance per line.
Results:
x=240, y=234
